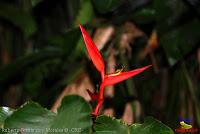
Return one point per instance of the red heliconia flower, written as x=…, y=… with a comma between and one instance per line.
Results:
x=107, y=79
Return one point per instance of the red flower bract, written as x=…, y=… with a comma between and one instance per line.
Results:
x=113, y=79
x=93, y=52
x=107, y=80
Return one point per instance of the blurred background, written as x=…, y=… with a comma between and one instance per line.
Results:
x=43, y=57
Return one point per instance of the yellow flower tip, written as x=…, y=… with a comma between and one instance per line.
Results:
x=117, y=72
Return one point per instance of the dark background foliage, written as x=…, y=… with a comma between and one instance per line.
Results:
x=42, y=52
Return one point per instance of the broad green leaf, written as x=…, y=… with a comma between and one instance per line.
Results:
x=144, y=15
x=30, y=117
x=20, y=65
x=150, y=126
x=34, y=79
x=5, y=112
x=85, y=13
x=104, y=6
x=18, y=17
x=73, y=116
x=167, y=13
x=170, y=8
x=35, y=2
x=180, y=41
x=81, y=12
x=110, y=125
x=162, y=8
x=67, y=41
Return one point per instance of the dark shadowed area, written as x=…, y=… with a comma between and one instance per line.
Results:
x=43, y=59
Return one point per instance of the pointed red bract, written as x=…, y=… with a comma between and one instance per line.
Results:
x=93, y=52
x=93, y=96
x=113, y=79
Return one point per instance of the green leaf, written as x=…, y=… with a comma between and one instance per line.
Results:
x=18, y=17
x=167, y=13
x=34, y=78
x=180, y=41
x=30, y=116
x=35, y=2
x=144, y=16
x=15, y=68
x=85, y=13
x=5, y=112
x=74, y=115
x=109, y=125
x=150, y=126
x=104, y=6
x=67, y=41
x=81, y=12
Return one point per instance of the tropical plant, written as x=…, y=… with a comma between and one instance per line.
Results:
x=42, y=59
